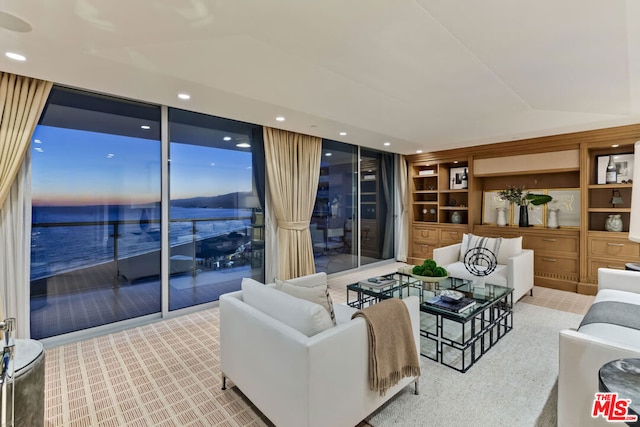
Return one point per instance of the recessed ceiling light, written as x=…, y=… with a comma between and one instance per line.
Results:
x=184, y=96
x=15, y=56
x=145, y=127
x=243, y=145
x=418, y=151
x=227, y=138
x=280, y=119
x=386, y=144
x=455, y=162
x=328, y=154
x=343, y=133
x=616, y=145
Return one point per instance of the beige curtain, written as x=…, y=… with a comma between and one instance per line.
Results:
x=293, y=168
x=402, y=226
x=21, y=102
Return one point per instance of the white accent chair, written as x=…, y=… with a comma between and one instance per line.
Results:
x=514, y=269
x=583, y=352
x=296, y=380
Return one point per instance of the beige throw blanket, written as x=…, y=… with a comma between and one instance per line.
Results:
x=392, y=349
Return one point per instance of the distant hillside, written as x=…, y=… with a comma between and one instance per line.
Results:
x=224, y=201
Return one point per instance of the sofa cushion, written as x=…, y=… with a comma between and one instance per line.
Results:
x=498, y=277
x=305, y=316
x=611, y=332
x=509, y=248
x=470, y=241
x=315, y=292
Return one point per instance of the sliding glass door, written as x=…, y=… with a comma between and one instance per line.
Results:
x=95, y=241
x=216, y=228
x=376, y=206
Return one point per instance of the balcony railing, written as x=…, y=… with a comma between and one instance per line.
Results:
x=133, y=247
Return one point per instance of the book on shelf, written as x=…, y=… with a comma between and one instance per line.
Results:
x=455, y=306
x=378, y=282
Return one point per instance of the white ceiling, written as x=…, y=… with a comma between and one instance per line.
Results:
x=423, y=74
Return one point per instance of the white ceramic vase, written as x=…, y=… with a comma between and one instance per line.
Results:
x=552, y=218
x=613, y=223
x=502, y=216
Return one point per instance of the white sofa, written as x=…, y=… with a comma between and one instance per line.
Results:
x=297, y=380
x=514, y=270
x=583, y=352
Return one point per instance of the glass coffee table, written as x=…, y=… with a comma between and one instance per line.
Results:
x=455, y=339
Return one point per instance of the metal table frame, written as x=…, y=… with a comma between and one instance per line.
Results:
x=481, y=326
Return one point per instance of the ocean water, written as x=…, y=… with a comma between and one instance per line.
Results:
x=71, y=237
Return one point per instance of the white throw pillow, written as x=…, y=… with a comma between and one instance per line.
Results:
x=302, y=315
x=317, y=293
x=470, y=241
x=509, y=248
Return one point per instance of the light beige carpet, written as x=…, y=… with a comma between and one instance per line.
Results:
x=509, y=386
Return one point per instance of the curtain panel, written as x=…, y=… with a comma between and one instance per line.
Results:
x=402, y=226
x=22, y=100
x=293, y=169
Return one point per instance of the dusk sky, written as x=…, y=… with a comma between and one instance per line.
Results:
x=73, y=167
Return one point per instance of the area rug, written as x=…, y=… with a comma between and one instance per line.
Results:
x=512, y=384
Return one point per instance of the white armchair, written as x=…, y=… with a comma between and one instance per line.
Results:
x=583, y=351
x=514, y=269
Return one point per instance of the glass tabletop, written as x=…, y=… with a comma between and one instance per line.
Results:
x=401, y=285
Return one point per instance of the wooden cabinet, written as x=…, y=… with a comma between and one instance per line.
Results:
x=602, y=248
x=609, y=250
x=426, y=237
x=439, y=204
x=437, y=193
x=566, y=258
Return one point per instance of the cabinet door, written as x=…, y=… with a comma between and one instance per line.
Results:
x=595, y=264
x=425, y=235
x=450, y=237
x=552, y=243
x=422, y=251
x=545, y=263
x=603, y=247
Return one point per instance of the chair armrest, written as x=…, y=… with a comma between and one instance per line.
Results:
x=622, y=280
x=581, y=356
x=520, y=273
x=447, y=254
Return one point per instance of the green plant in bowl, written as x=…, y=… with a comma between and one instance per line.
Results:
x=429, y=271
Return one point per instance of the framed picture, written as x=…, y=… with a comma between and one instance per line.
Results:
x=624, y=167
x=455, y=178
x=491, y=201
x=567, y=201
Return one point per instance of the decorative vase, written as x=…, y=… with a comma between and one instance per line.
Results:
x=552, y=218
x=613, y=223
x=502, y=216
x=524, y=216
x=456, y=218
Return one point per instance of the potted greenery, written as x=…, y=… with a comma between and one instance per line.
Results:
x=524, y=199
x=429, y=271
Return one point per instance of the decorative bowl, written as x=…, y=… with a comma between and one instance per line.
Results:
x=430, y=279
